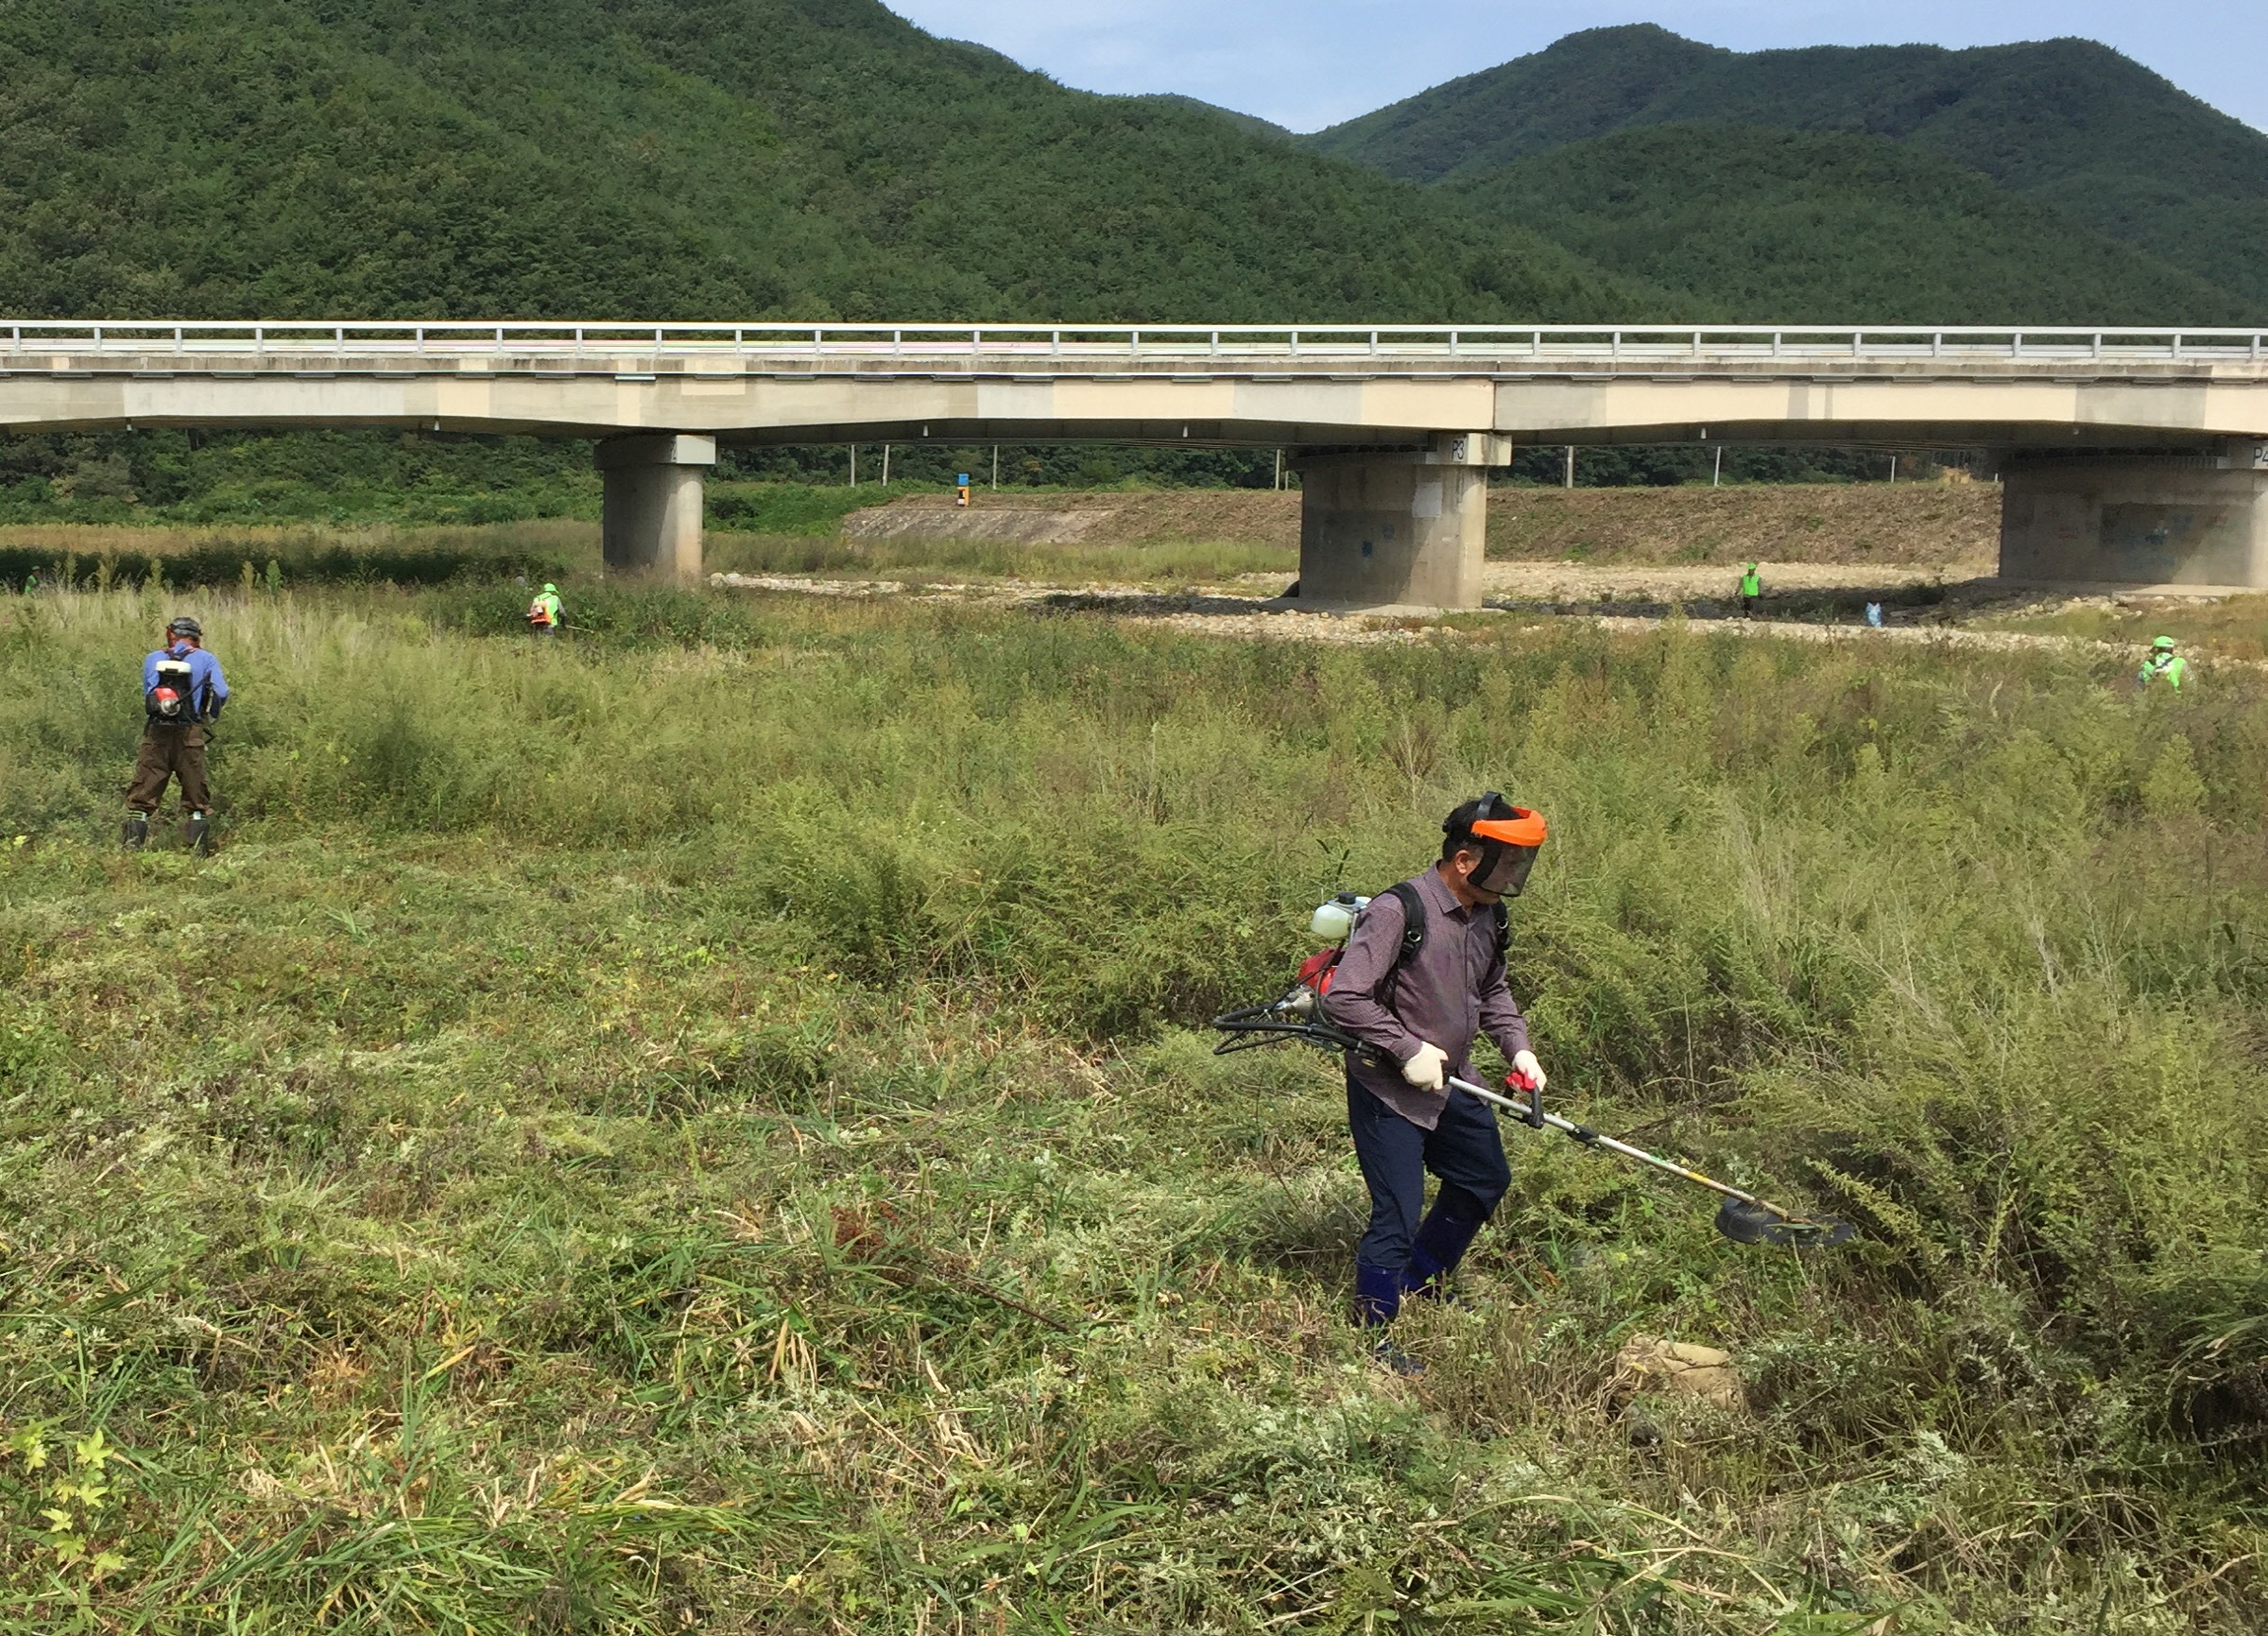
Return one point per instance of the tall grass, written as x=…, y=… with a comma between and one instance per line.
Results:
x=547, y=1171
x=97, y=557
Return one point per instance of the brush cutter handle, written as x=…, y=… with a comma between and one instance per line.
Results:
x=1534, y=1116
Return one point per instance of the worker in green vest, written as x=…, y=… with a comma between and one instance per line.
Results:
x=2164, y=666
x=1752, y=591
x=545, y=613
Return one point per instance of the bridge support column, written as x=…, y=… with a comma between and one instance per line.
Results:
x=1396, y=532
x=653, y=503
x=2137, y=519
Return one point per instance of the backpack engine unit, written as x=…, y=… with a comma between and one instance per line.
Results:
x=173, y=701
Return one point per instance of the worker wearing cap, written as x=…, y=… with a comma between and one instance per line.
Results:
x=545, y=613
x=2164, y=666
x=182, y=693
x=1423, y=976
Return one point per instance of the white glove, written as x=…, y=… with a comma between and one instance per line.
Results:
x=1530, y=1071
x=1424, y=1069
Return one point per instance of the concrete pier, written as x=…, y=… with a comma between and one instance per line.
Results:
x=1396, y=532
x=2141, y=519
x=653, y=502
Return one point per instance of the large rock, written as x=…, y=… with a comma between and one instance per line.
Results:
x=1647, y=1363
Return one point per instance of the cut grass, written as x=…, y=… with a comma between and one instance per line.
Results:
x=548, y=1170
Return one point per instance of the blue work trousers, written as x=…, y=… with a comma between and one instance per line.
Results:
x=1466, y=1151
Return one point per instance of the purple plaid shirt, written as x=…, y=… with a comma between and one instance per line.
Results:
x=1446, y=994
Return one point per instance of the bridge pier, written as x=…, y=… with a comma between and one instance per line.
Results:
x=652, y=508
x=2137, y=519
x=1396, y=532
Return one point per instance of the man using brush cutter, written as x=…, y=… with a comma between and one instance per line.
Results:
x=1422, y=971
x=1423, y=976
x=183, y=694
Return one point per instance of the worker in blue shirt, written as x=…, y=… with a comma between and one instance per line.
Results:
x=182, y=692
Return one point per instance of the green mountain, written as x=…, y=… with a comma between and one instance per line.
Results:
x=1796, y=226
x=2065, y=124
x=817, y=158
x=806, y=158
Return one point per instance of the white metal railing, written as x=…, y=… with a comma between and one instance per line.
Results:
x=608, y=345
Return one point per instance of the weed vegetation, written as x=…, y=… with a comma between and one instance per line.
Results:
x=709, y=1125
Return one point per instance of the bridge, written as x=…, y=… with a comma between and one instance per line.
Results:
x=2125, y=454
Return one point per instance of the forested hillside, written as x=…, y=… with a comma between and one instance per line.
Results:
x=826, y=158
x=2067, y=124
x=1785, y=225
x=713, y=158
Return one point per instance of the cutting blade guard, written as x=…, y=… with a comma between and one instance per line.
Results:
x=1749, y=1223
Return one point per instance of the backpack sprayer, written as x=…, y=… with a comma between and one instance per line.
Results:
x=1299, y=1014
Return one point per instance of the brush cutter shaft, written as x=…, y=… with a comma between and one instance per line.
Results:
x=1590, y=1138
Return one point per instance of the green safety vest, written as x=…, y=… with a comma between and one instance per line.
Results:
x=2173, y=670
x=1751, y=585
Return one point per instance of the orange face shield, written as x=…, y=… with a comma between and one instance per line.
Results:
x=1525, y=828
x=1508, y=836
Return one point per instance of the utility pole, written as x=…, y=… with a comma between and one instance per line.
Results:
x=1571, y=465
x=885, y=465
x=854, y=465
x=996, y=465
x=1280, y=470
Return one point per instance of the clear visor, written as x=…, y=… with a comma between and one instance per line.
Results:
x=1503, y=872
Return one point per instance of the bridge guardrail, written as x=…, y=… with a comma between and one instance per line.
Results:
x=1745, y=344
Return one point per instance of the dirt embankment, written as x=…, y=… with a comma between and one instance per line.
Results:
x=1918, y=524
x=1915, y=523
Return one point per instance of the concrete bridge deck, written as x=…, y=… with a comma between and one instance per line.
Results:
x=2128, y=453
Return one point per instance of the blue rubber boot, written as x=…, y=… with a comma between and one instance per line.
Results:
x=1442, y=1240
x=1376, y=1300
x=1377, y=1295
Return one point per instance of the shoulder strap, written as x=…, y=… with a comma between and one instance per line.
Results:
x=1412, y=923
x=1503, y=928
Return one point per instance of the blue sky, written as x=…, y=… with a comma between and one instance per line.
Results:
x=1308, y=64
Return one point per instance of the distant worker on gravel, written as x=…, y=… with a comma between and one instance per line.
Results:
x=2164, y=666
x=182, y=692
x=546, y=611
x=1752, y=591
x=1422, y=974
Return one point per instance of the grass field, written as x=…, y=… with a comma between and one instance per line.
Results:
x=709, y=1127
